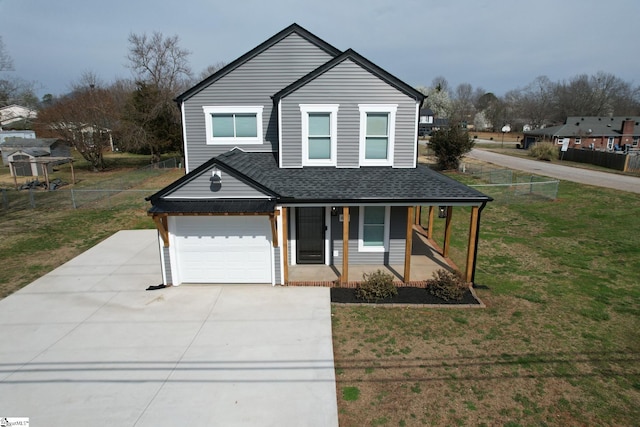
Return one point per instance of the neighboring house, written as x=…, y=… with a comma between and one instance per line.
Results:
x=16, y=117
x=25, y=155
x=594, y=133
x=429, y=123
x=298, y=153
x=16, y=134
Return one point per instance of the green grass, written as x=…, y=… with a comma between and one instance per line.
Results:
x=559, y=341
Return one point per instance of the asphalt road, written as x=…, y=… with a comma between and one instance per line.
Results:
x=584, y=176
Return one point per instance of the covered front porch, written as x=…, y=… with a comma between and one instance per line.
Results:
x=426, y=258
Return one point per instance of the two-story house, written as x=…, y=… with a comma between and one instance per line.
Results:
x=298, y=153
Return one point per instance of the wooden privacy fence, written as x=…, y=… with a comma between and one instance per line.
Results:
x=616, y=160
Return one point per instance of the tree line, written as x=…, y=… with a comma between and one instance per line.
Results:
x=139, y=113
x=540, y=103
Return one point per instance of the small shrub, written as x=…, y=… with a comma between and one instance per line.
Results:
x=446, y=285
x=376, y=286
x=543, y=151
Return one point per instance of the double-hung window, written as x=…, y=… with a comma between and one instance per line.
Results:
x=319, y=134
x=377, y=134
x=233, y=124
x=374, y=229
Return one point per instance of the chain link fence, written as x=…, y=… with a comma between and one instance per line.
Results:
x=507, y=186
x=118, y=190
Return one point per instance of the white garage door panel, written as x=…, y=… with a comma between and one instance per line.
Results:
x=213, y=250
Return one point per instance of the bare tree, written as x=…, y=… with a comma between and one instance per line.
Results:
x=534, y=104
x=85, y=118
x=14, y=90
x=161, y=69
x=462, y=109
x=6, y=62
x=159, y=61
x=211, y=69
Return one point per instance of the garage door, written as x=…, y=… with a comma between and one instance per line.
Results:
x=234, y=249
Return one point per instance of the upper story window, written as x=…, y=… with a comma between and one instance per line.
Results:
x=319, y=134
x=377, y=134
x=578, y=140
x=374, y=229
x=233, y=125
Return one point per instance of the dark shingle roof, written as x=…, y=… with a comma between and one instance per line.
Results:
x=336, y=185
x=588, y=127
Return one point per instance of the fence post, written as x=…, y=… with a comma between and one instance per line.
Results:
x=73, y=199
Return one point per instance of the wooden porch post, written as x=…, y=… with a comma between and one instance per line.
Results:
x=285, y=245
x=447, y=232
x=430, y=225
x=345, y=245
x=473, y=237
x=408, y=244
x=162, y=226
x=418, y=214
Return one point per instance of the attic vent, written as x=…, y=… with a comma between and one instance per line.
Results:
x=577, y=123
x=608, y=126
x=582, y=119
x=599, y=118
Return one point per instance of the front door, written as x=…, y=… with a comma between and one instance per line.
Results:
x=310, y=230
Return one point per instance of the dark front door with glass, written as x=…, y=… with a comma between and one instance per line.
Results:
x=310, y=231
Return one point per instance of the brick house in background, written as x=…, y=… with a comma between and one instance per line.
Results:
x=591, y=133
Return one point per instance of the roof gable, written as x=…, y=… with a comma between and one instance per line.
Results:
x=294, y=28
x=361, y=61
x=198, y=184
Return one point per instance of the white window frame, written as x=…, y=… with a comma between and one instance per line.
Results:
x=387, y=218
x=332, y=110
x=578, y=140
x=247, y=109
x=610, y=143
x=634, y=142
x=377, y=108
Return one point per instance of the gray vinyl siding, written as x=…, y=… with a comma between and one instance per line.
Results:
x=397, y=233
x=348, y=85
x=201, y=187
x=252, y=83
x=167, y=265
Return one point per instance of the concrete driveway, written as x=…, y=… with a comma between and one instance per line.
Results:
x=87, y=345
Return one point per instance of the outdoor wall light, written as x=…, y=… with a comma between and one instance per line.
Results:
x=334, y=211
x=442, y=211
x=216, y=175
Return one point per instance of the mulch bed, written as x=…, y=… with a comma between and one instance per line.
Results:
x=406, y=295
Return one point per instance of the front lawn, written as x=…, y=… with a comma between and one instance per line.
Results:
x=559, y=343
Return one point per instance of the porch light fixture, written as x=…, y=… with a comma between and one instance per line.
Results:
x=442, y=211
x=216, y=175
x=334, y=211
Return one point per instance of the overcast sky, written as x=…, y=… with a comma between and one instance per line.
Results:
x=494, y=44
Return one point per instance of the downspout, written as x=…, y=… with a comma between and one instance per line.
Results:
x=475, y=252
